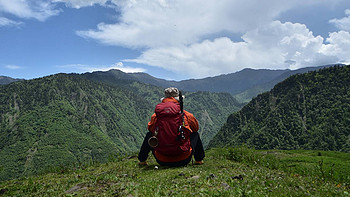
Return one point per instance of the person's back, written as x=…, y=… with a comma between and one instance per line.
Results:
x=176, y=132
x=169, y=121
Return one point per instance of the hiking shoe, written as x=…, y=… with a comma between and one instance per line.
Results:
x=198, y=163
x=143, y=163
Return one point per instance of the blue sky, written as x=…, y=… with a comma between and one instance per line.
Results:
x=174, y=39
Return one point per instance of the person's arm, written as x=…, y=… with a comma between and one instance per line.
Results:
x=192, y=121
x=151, y=124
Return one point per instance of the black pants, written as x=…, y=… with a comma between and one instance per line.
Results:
x=197, y=151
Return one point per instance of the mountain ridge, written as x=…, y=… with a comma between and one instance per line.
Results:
x=243, y=85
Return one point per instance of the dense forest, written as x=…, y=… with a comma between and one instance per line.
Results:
x=306, y=111
x=65, y=119
x=68, y=120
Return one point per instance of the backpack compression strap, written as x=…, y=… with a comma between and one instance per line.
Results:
x=181, y=131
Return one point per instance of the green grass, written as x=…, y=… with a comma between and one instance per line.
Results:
x=325, y=165
x=226, y=172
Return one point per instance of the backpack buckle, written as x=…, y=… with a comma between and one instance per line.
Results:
x=181, y=135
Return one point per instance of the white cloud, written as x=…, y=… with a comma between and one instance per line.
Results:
x=81, y=3
x=13, y=67
x=171, y=35
x=275, y=46
x=343, y=23
x=162, y=23
x=81, y=68
x=38, y=9
x=339, y=45
x=7, y=22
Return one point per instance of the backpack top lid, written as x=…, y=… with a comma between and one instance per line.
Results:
x=167, y=109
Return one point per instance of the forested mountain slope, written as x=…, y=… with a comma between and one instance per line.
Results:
x=211, y=111
x=65, y=119
x=306, y=111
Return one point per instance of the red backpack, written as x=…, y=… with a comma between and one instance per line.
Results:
x=169, y=120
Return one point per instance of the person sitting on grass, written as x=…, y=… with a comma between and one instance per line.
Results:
x=173, y=133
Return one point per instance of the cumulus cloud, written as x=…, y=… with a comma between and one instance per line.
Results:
x=81, y=68
x=7, y=22
x=38, y=9
x=162, y=23
x=275, y=46
x=343, y=23
x=339, y=45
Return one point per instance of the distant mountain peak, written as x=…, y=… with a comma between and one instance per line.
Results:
x=7, y=80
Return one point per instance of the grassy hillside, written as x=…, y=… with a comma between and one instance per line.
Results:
x=226, y=172
x=306, y=111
